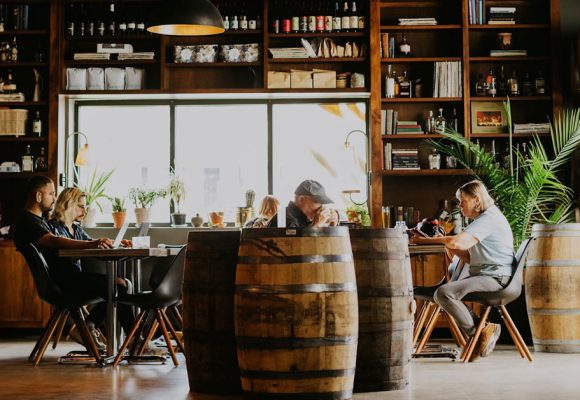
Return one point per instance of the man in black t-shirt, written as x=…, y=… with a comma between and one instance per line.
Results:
x=32, y=227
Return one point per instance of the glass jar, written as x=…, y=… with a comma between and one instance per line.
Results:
x=451, y=162
x=434, y=160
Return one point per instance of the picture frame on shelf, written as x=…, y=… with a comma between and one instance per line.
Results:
x=488, y=117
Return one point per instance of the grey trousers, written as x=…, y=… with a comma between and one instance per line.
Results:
x=449, y=297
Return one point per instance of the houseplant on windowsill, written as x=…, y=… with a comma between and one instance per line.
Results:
x=94, y=189
x=177, y=192
x=143, y=198
x=119, y=211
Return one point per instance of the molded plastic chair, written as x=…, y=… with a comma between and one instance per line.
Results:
x=166, y=293
x=63, y=304
x=430, y=311
x=499, y=300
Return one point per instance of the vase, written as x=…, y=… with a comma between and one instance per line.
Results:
x=89, y=219
x=142, y=215
x=178, y=219
x=197, y=221
x=119, y=218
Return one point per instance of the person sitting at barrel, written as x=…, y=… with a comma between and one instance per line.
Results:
x=267, y=216
x=309, y=207
x=487, y=245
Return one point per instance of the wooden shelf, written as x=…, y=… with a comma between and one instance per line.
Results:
x=20, y=175
x=109, y=62
x=503, y=27
x=23, y=103
x=505, y=135
x=386, y=28
x=214, y=65
x=515, y=98
x=403, y=136
x=241, y=32
x=115, y=38
x=417, y=59
x=23, y=64
x=142, y=91
x=425, y=172
x=28, y=32
x=410, y=4
x=502, y=59
x=24, y=139
x=315, y=90
x=422, y=100
x=317, y=34
x=316, y=60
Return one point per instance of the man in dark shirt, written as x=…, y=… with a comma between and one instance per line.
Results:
x=307, y=209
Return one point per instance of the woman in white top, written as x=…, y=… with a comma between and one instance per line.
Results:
x=487, y=246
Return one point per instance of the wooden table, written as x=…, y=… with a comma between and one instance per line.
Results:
x=113, y=257
x=418, y=249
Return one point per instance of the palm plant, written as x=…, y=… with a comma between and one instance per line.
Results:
x=530, y=191
x=94, y=187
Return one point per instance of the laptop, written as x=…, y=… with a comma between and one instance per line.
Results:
x=144, y=229
x=120, y=235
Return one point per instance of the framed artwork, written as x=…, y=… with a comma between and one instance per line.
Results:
x=488, y=117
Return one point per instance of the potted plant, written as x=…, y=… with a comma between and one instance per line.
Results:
x=143, y=198
x=94, y=189
x=119, y=211
x=177, y=192
x=359, y=214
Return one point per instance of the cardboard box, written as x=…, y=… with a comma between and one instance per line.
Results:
x=278, y=80
x=324, y=79
x=300, y=79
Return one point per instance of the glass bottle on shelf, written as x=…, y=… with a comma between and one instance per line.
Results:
x=440, y=122
x=303, y=18
x=9, y=86
x=345, y=21
x=2, y=24
x=446, y=217
x=14, y=51
x=514, y=89
x=480, y=86
x=41, y=164
x=397, y=84
x=404, y=47
x=328, y=17
x=405, y=86
x=320, y=19
x=336, y=18
x=434, y=160
x=353, y=17
x=312, y=19
x=122, y=22
x=112, y=25
x=540, y=84
x=37, y=125
x=431, y=122
x=70, y=25
x=491, y=83
x=235, y=24
x=27, y=160
x=454, y=123
x=389, y=83
x=226, y=22
x=502, y=84
x=527, y=85
x=131, y=23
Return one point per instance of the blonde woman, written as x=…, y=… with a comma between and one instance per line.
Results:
x=487, y=246
x=267, y=215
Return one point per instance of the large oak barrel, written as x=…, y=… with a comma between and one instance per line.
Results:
x=552, y=286
x=386, y=305
x=208, y=311
x=296, y=314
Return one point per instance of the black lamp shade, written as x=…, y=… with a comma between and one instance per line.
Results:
x=189, y=18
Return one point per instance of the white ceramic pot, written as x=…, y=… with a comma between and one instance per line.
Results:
x=89, y=219
x=142, y=215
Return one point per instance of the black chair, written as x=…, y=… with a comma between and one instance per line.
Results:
x=499, y=300
x=64, y=305
x=166, y=293
x=430, y=311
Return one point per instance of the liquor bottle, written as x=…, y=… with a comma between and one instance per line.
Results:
x=397, y=84
x=320, y=18
x=70, y=26
x=244, y=23
x=311, y=19
x=2, y=22
x=132, y=25
x=112, y=24
x=405, y=86
x=491, y=83
x=37, y=125
x=226, y=22
x=440, y=122
x=336, y=19
x=303, y=18
x=14, y=51
x=295, y=21
x=27, y=160
x=480, y=86
x=389, y=83
x=353, y=17
x=345, y=18
x=502, y=84
x=513, y=84
x=434, y=160
x=328, y=17
x=404, y=47
x=122, y=22
x=235, y=24
x=41, y=164
x=140, y=25
x=431, y=122
x=527, y=85
x=454, y=123
x=361, y=21
x=540, y=84
x=9, y=86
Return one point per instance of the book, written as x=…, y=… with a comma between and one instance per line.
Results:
x=508, y=53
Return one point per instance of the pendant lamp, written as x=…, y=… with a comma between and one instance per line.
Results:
x=189, y=18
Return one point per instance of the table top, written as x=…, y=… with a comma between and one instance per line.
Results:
x=118, y=253
x=418, y=249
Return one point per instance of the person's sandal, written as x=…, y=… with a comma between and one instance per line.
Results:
x=486, y=342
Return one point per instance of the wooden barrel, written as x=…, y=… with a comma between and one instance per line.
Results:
x=386, y=307
x=208, y=311
x=552, y=286
x=296, y=314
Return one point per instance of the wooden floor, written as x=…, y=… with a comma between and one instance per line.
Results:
x=503, y=375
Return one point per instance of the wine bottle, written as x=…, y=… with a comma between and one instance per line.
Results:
x=37, y=125
x=353, y=17
x=345, y=19
x=27, y=160
x=440, y=122
x=41, y=163
x=328, y=17
x=320, y=18
x=513, y=84
x=336, y=19
x=404, y=47
x=112, y=25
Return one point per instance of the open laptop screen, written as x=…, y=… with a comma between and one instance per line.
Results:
x=120, y=235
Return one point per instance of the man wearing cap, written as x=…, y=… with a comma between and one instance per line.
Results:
x=308, y=209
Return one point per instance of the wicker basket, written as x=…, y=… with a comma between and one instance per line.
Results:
x=13, y=122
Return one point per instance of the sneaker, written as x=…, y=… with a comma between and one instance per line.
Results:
x=75, y=335
x=152, y=350
x=487, y=341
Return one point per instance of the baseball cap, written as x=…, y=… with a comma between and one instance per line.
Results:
x=313, y=189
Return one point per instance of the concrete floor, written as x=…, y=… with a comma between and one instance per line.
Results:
x=503, y=375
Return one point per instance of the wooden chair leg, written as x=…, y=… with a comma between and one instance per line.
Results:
x=468, y=350
x=44, y=337
x=150, y=334
x=175, y=310
x=166, y=336
x=455, y=331
x=88, y=341
x=429, y=328
x=60, y=329
x=173, y=333
x=131, y=335
x=517, y=338
x=420, y=321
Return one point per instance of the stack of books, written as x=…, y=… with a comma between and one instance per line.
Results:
x=502, y=16
x=417, y=21
x=145, y=55
x=289, y=52
x=92, y=56
x=447, y=79
x=532, y=128
x=409, y=128
x=389, y=122
x=508, y=53
x=405, y=159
